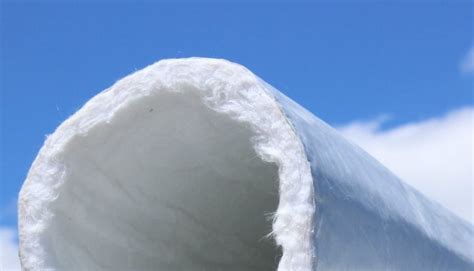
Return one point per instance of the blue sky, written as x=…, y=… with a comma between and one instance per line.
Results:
x=343, y=61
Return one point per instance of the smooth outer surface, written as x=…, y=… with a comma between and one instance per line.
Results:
x=367, y=218
x=180, y=166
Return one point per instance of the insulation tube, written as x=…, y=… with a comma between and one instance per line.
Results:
x=198, y=164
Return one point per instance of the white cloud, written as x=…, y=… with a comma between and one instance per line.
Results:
x=467, y=64
x=9, y=260
x=435, y=156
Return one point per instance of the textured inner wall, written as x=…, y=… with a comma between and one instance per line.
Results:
x=167, y=184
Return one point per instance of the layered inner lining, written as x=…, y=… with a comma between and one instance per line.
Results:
x=167, y=184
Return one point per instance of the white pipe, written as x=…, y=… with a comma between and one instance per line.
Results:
x=197, y=164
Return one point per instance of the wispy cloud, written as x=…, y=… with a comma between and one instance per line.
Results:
x=9, y=260
x=467, y=63
x=435, y=155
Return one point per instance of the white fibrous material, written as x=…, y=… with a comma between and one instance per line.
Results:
x=198, y=164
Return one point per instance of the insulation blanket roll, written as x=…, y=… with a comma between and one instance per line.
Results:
x=198, y=164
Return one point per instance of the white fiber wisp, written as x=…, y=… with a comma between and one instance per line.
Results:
x=198, y=164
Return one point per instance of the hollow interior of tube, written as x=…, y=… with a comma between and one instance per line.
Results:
x=167, y=184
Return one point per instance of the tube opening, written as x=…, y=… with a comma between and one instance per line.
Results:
x=188, y=164
x=167, y=184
